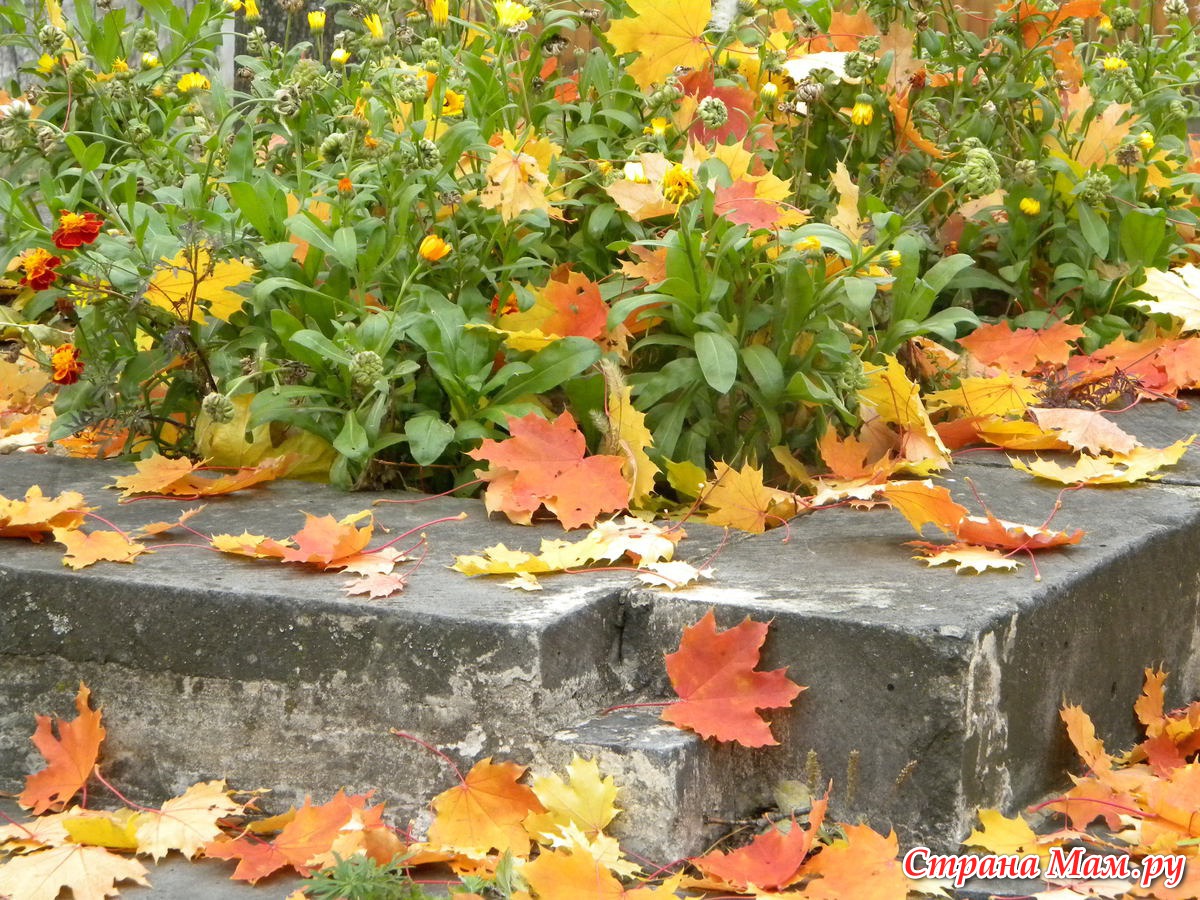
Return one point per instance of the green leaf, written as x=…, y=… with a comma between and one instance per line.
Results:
x=1094, y=229
x=428, y=436
x=765, y=369
x=352, y=439
x=550, y=367
x=718, y=357
x=345, y=247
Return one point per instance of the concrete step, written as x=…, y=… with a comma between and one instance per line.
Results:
x=930, y=694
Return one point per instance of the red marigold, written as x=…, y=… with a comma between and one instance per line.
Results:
x=38, y=266
x=76, y=229
x=67, y=364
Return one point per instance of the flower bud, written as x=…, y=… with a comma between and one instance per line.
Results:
x=218, y=408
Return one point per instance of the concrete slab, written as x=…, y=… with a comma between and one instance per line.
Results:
x=930, y=694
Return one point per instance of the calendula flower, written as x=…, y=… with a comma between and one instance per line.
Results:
x=1145, y=140
x=658, y=127
x=808, y=244
x=120, y=66
x=679, y=184
x=863, y=112
x=150, y=61
x=38, y=266
x=316, y=21
x=769, y=91
x=46, y=64
x=340, y=56
x=453, y=104
x=374, y=25
x=439, y=12
x=66, y=363
x=193, y=81
x=634, y=171
x=433, y=248
x=1114, y=64
x=891, y=258
x=345, y=186
x=1031, y=206
x=1105, y=25
x=76, y=229
x=252, y=13
x=512, y=15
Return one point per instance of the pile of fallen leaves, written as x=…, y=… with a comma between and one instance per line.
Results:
x=550, y=834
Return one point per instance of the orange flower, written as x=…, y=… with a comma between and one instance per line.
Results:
x=38, y=266
x=67, y=364
x=434, y=248
x=76, y=229
x=345, y=186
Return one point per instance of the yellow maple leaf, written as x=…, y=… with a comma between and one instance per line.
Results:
x=516, y=184
x=187, y=822
x=91, y=873
x=181, y=284
x=1008, y=837
x=585, y=800
x=1000, y=395
x=630, y=437
x=115, y=830
x=846, y=219
x=739, y=499
x=83, y=549
x=897, y=399
x=1176, y=293
x=665, y=34
x=969, y=558
x=1139, y=464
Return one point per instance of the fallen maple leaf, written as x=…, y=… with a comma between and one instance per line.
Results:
x=71, y=756
x=1086, y=429
x=1176, y=293
x=1023, y=349
x=739, y=499
x=559, y=875
x=543, y=464
x=862, y=865
x=256, y=858
x=630, y=437
x=192, y=275
x=188, y=822
x=1139, y=464
x=484, y=811
x=666, y=34
x=1006, y=836
x=969, y=558
x=84, y=549
x=37, y=516
x=714, y=672
x=313, y=830
x=516, y=184
x=586, y=800
x=180, y=477
x=91, y=873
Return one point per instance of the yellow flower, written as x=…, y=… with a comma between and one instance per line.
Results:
x=374, y=25
x=1145, y=140
x=510, y=14
x=453, y=104
x=679, y=184
x=658, y=127
x=120, y=66
x=635, y=172
x=807, y=245
x=316, y=21
x=150, y=61
x=433, y=248
x=192, y=81
x=339, y=57
x=104, y=76
x=439, y=12
x=1104, y=26
x=863, y=112
x=47, y=64
x=891, y=258
x=252, y=13
x=769, y=91
x=1114, y=64
x=233, y=5
x=1031, y=206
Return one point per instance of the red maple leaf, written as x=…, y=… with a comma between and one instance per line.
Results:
x=543, y=464
x=71, y=757
x=256, y=857
x=714, y=673
x=739, y=204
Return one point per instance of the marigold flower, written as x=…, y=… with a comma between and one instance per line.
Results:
x=510, y=14
x=374, y=25
x=679, y=184
x=433, y=248
x=1031, y=206
x=863, y=112
x=193, y=81
x=453, y=103
x=1114, y=64
x=67, y=364
x=316, y=21
x=439, y=12
x=340, y=56
x=76, y=229
x=38, y=266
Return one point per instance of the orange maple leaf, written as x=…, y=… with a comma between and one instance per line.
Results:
x=256, y=858
x=180, y=477
x=862, y=865
x=37, y=516
x=558, y=875
x=773, y=860
x=314, y=828
x=83, y=549
x=1036, y=25
x=71, y=756
x=1024, y=349
x=543, y=464
x=484, y=811
x=714, y=673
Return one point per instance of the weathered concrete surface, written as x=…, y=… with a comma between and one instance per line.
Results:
x=944, y=689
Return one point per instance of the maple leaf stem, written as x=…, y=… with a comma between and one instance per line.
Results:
x=428, y=497
x=605, y=712
x=716, y=552
x=1066, y=801
x=11, y=821
x=432, y=749
x=400, y=537
x=104, y=781
x=92, y=515
x=182, y=498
